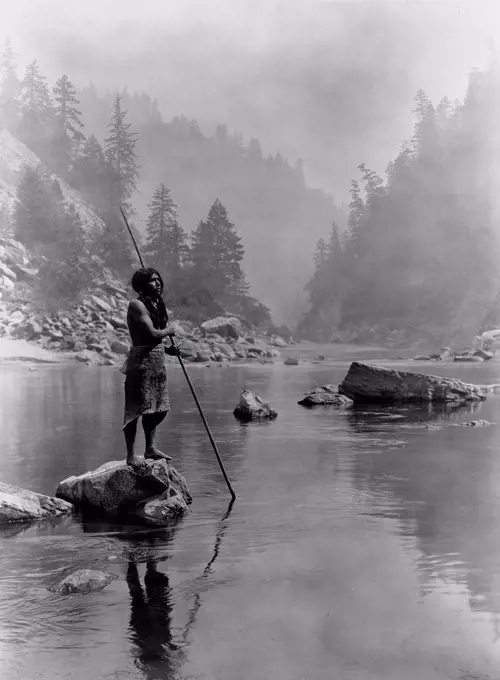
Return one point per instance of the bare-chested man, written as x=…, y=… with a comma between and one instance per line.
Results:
x=146, y=392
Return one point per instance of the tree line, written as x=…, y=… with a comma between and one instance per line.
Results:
x=202, y=269
x=419, y=259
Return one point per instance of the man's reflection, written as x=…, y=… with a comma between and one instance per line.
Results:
x=152, y=604
x=150, y=620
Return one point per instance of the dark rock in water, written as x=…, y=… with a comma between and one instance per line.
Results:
x=326, y=394
x=21, y=505
x=252, y=407
x=291, y=362
x=82, y=582
x=366, y=383
x=468, y=358
x=484, y=354
x=118, y=490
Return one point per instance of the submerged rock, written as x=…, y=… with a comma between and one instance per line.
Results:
x=21, y=505
x=118, y=490
x=366, y=383
x=326, y=394
x=82, y=582
x=252, y=407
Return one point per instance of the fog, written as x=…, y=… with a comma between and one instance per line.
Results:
x=331, y=83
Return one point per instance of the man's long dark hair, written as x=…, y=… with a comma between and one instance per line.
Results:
x=156, y=307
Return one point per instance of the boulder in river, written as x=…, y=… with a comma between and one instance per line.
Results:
x=225, y=326
x=252, y=407
x=82, y=582
x=326, y=394
x=119, y=490
x=468, y=358
x=484, y=354
x=21, y=505
x=367, y=383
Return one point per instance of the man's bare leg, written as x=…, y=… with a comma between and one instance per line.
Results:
x=130, y=432
x=149, y=424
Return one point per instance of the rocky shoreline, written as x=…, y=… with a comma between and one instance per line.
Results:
x=95, y=332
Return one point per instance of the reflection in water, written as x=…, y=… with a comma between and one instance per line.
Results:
x=345, y=556
x=157, y=654
x=150, y=620
x=439, y=491
x=363, y=419
x=208, y=569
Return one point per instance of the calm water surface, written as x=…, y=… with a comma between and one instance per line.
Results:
x=363, y=543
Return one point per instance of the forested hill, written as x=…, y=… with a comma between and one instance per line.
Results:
x=278, y=217
x=420, y=259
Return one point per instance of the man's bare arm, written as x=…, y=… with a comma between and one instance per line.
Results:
x=141, y=320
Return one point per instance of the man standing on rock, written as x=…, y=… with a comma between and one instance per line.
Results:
x=146, y=391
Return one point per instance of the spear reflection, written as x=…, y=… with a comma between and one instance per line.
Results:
x=151, y=610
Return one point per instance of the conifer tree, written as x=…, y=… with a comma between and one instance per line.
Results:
x=119, y=148
x=68, y=137
x=166, y=240
x=65, y=270
x=217, y=252
x=91, y=174
x=9, y=89
x=36, y=110
x=34, y=211
x=122, y=172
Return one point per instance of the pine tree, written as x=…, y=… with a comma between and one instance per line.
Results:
x=34, y=212
x=216, y=253
x=36, y=110
x=121, y=175
x=119, y=148
x=356, y=210
x=65, y=271
x=93, y=176
x=9, y=89
x=166, y=240
x=68, y=137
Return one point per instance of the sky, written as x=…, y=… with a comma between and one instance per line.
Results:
x=328, y=82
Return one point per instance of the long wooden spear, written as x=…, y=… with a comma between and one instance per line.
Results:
x=214, y=445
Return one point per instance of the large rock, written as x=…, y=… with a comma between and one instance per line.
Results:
x=225, y=326
x=365, y=383
x=82, y=582
x=468, y=358
x=21, y=505
x=484, y=354
x=119, y=347
x=118, y=490
x=252, y=407
x=326, y=394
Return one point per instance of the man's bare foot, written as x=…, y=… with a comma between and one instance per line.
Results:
x=136, y=462
x=155, y=454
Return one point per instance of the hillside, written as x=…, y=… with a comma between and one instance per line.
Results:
x=277, y=215
x=14, y=156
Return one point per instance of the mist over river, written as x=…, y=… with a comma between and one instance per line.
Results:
x=364, y=543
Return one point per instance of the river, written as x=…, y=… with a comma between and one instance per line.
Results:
x=364, y=543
